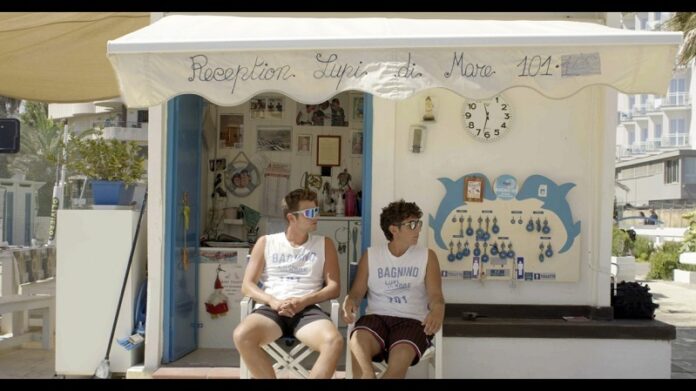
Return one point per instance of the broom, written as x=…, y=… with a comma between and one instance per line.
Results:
x=103, y=370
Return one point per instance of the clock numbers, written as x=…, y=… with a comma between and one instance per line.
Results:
x=487, y=120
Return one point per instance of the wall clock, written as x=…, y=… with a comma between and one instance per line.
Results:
x=487, y=120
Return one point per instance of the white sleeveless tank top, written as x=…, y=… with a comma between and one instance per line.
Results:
x=396, y=285
x=293, y=271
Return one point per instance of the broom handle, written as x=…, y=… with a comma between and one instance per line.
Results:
x=125, y=278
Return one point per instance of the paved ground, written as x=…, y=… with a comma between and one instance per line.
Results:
x=677, y=306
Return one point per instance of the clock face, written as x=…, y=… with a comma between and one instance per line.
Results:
x=487, y=120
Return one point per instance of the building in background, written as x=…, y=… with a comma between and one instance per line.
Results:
x=656, y=140
x=116, y=122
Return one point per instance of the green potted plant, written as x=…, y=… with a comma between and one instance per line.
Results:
x=113, y=166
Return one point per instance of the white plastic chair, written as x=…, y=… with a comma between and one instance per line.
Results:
x=289, y=360
x=432, y=355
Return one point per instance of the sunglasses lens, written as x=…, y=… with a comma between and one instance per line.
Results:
x=311, y=212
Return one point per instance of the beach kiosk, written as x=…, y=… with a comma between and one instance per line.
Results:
x=503, y=131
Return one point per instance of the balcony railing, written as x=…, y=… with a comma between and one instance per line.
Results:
x=116, y=124
x=123, y=130
x=677, y=99
x=676, y=140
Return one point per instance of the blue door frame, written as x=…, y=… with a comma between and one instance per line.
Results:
x=183, y=177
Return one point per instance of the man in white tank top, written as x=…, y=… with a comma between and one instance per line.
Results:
x=405, y=305
x=297, y=270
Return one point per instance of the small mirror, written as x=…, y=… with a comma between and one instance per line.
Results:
x=9, y=135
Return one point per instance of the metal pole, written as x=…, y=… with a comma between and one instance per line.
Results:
x=58, y=188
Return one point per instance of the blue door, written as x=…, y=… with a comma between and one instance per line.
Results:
x=182, y=230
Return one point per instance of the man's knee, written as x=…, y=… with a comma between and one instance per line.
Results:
x=332, y=340
x=244, y=335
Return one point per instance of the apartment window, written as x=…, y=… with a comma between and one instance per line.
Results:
x=677, y=85
x=631, y=102
x=677, y=125
x=677, y=92
x=658, y=131
x=672, y=171
x=689, y=170
x=643, y=23
x=631, y=136
x=657, y=16
x=644, y=134
x=142, y=116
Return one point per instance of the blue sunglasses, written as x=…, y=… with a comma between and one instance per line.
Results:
x=309, y=213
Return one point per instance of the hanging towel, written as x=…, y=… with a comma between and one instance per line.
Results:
x=276, y=187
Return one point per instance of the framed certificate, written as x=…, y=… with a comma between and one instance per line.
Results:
x=473, y=189
x=328, y=151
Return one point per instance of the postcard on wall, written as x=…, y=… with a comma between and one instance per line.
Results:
x=231, y=131
x=473, y=189
x=356, y=104
x=327, y=113
x=304, y=144
x=257, y=108
x=356, y=143
x=274, y=107
x=274, y=138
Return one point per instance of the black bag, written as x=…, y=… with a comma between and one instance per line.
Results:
x=631, y=300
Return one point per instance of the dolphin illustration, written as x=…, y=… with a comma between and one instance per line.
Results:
x=454, y=198
x=555, y=201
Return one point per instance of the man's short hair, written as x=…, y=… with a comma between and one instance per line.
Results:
x=291, y=202
x=395, y=213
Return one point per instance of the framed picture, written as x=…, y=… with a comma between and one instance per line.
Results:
x=274, y=107
x=327, y=113
x=241, y=178
x=356, y=143
x=473, y=189
x=356, y=103
x=314, y=115
x=273, y=138
x=328, y=151
x=257, y=108
x=304, y=144
x=231, y=131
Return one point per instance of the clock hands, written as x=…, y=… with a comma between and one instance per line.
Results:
x=486, y=122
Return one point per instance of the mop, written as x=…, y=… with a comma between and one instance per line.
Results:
x=103, y=371
x=138, y=336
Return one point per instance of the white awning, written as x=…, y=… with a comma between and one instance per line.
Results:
x=59, y=56
x=230, y=59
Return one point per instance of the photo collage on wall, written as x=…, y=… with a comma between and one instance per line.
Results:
x=328, y=113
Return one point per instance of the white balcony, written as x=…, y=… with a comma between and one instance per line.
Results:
x=122, y=130
x=676, y=99
x=678, y=140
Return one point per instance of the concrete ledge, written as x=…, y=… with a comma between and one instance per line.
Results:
x=684, y=276
x=526, y=321
x=138, y=372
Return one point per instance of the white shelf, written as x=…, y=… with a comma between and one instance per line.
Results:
x=233, y=221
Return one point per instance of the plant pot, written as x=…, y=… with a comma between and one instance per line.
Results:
x=112, y=193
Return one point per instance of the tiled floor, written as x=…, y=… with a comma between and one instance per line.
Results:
x=676, y=307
